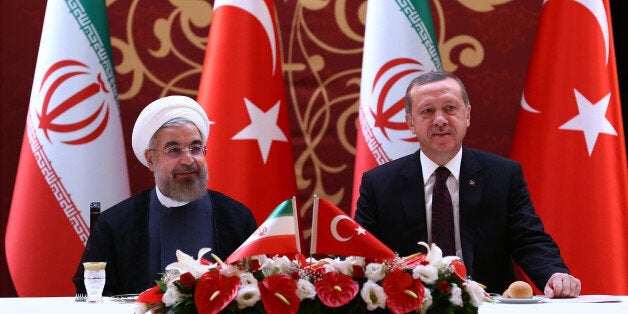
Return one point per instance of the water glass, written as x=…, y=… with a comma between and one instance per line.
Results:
x=94, y=277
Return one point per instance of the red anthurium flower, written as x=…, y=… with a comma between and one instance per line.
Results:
x=215, y=291
x=335, y=290
x=151, y=296
x=405, y=294
x=459, y=269
x=279, y=294
x=187, y=280
x=414, y=260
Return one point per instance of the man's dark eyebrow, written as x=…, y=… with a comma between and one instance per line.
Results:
x=175, y=143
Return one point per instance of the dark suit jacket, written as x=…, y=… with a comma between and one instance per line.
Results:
x=120, y=238
x=497, y=218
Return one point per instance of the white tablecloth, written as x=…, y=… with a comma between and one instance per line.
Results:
x=67, y=305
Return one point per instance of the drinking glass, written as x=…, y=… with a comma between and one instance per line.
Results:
x=94, y=277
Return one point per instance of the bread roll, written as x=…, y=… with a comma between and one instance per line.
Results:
x=518, y=290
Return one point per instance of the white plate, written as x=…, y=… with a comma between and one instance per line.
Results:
x=534, y=299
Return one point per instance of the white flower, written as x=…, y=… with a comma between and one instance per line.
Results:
x=375, y=272
x=341, y=266
x=427, y=301
x=356, y=260
x=140, y=308
x=373, y=295
x=186, y=263
x=247, y=278
x=435, y=257
x=229, y=270
x=276, y=265
x=426, y=273
x=305, y=289
x=456, y=295
x=476, y=292
x=170, y=275
x=248, y=295
x=172, y=295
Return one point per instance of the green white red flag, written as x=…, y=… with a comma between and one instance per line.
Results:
x=72, y=153
x=242, y=90
x=399, y=45
x=278, y=235
x=570, y=142
x=335, y=233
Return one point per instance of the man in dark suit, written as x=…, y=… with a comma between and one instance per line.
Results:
x=139, y=236
x=493, y=221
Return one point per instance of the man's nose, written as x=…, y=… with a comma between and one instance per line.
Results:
x=439, y=118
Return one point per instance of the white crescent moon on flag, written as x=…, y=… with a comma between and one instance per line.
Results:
x=334, y=228
x=260, y=11
x=599, y=12
x=596, y=8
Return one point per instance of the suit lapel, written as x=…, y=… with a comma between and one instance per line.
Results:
x=471, y=183
x=410, y=187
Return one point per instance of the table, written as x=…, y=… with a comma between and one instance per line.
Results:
x=67, y=305
x=584, y=304
x=62, y=305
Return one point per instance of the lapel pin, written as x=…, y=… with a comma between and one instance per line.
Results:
x=472, y=183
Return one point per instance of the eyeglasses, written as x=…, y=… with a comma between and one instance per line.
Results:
x=177, y=152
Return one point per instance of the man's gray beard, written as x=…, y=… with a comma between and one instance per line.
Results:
x=188, y=190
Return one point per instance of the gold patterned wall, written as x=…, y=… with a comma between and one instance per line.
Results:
x=159, y=48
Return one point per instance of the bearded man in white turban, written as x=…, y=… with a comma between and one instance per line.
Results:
x=139, y=236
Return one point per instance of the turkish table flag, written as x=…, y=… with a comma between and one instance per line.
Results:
x=399, y=45
x=279, y=234
x=570, y=141
x=72, y=153
x=242, y=90
x=335, y=233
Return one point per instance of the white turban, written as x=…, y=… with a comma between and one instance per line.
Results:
x=161, y=111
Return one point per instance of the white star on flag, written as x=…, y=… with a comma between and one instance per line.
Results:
x=591, y=119
x=360, y=230
x=263, y=127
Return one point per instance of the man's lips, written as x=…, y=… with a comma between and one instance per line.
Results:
x=186, y=174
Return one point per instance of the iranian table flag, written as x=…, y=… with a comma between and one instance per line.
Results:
x=570, y=142
x=72, y=153
x=399, y=45
x=279, y=234
x=249, y=150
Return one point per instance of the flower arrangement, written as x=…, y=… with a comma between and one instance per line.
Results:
x=425, y=283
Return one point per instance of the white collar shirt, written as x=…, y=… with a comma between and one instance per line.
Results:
x=453, y=185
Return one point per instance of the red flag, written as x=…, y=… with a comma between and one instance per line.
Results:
x=399, y=45
x=335, y=233
x=570, y=141
x=279, y=234
x=242, y=89
x=72, y=153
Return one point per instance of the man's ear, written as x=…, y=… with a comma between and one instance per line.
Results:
x=149, y=159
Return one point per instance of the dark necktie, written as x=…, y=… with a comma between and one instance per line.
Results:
x=443, y=214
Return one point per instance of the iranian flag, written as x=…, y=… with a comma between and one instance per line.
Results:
x=570, y=142
x=242, y=90
x=279, y=234
x=72, y=153
x=399, y=45
x=335, y=233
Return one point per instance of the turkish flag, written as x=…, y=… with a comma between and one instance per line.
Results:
x=570, y=141
x=399, y=45
x=242, y=90
x=335, y=233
